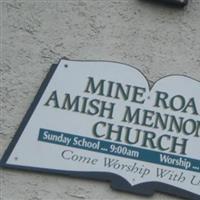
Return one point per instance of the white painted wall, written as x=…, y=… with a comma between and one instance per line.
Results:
x=156, y=39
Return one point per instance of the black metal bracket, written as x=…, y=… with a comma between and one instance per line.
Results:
x=179, y=3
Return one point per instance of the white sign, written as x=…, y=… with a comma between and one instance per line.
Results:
x=102, y=120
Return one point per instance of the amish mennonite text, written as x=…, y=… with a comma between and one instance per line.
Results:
x=134, y=115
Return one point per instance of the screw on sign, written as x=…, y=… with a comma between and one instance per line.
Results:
x=180, y=3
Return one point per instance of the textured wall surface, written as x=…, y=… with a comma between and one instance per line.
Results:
x=34, y=34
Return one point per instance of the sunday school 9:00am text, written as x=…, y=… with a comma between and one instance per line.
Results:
x=88, y=144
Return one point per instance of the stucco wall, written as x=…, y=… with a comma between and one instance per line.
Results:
x=156, y=39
